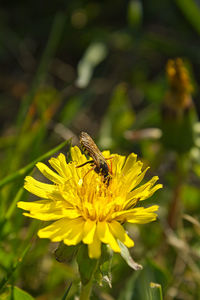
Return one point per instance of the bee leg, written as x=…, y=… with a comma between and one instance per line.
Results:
x=88, y=171
x=110, y=167
x=106, y=180
x=108, y=158
x=87, y=162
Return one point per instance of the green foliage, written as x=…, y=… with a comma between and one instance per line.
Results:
x=22, y=172
x=191, y=12
x=139, y=284
x=15, y=293
x=118, y=118
x=65, y=253
x=178, y=135
x=87, y=266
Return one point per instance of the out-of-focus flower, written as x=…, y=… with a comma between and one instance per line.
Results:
x=178, y=98
x=178, y=113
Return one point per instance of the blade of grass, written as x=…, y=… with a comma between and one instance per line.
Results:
x=23, y=171
x=53, y=40
x=23, y=117
x=12, y=207
x=24, y=247
x=191, y=11
x=156, y=287
x=67, y=292
x=14, y=267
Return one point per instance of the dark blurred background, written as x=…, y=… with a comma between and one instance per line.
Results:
x=43, y=45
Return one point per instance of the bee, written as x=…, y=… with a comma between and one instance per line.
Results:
x=98, y=160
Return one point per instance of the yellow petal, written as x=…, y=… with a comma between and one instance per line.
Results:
x=130, y=161
x=64, y=229
x=76, y=233
x=44, y=217
x=58, y=195
x=140, y=177
x=60, y=165
x=38, y=188
x=106, y=153
x=76, y=173
x=54, y=229
x=77, y=156
x=131, y=177
x=64, y=166
x=94, y=249
x=40, y=205
x=89, y=231
x=138, y=215
x=145, y=190
x=48, y=173
x=71, y=213
x=119, y=232
x=116, y=163
x=43, y=210
x=106, y=236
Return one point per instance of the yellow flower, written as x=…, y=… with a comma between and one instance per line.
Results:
x=84, y=207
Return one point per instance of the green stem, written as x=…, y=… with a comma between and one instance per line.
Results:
x=175, y=205
x=160, y=293
x=156, y=291
x=86, y=289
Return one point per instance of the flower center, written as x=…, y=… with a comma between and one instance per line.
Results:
x=97, y=200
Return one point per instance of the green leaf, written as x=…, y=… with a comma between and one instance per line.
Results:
x=65, y=253
x=127, y=257
x=86, y=265
x=15, y=293
x=191, y=11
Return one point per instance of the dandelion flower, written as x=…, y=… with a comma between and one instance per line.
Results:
x=84, y=208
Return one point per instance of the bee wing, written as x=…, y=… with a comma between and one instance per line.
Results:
x=89, y=145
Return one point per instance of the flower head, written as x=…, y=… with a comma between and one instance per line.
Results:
x=86, y=209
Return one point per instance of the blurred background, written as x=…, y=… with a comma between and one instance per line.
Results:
x=128, y=73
